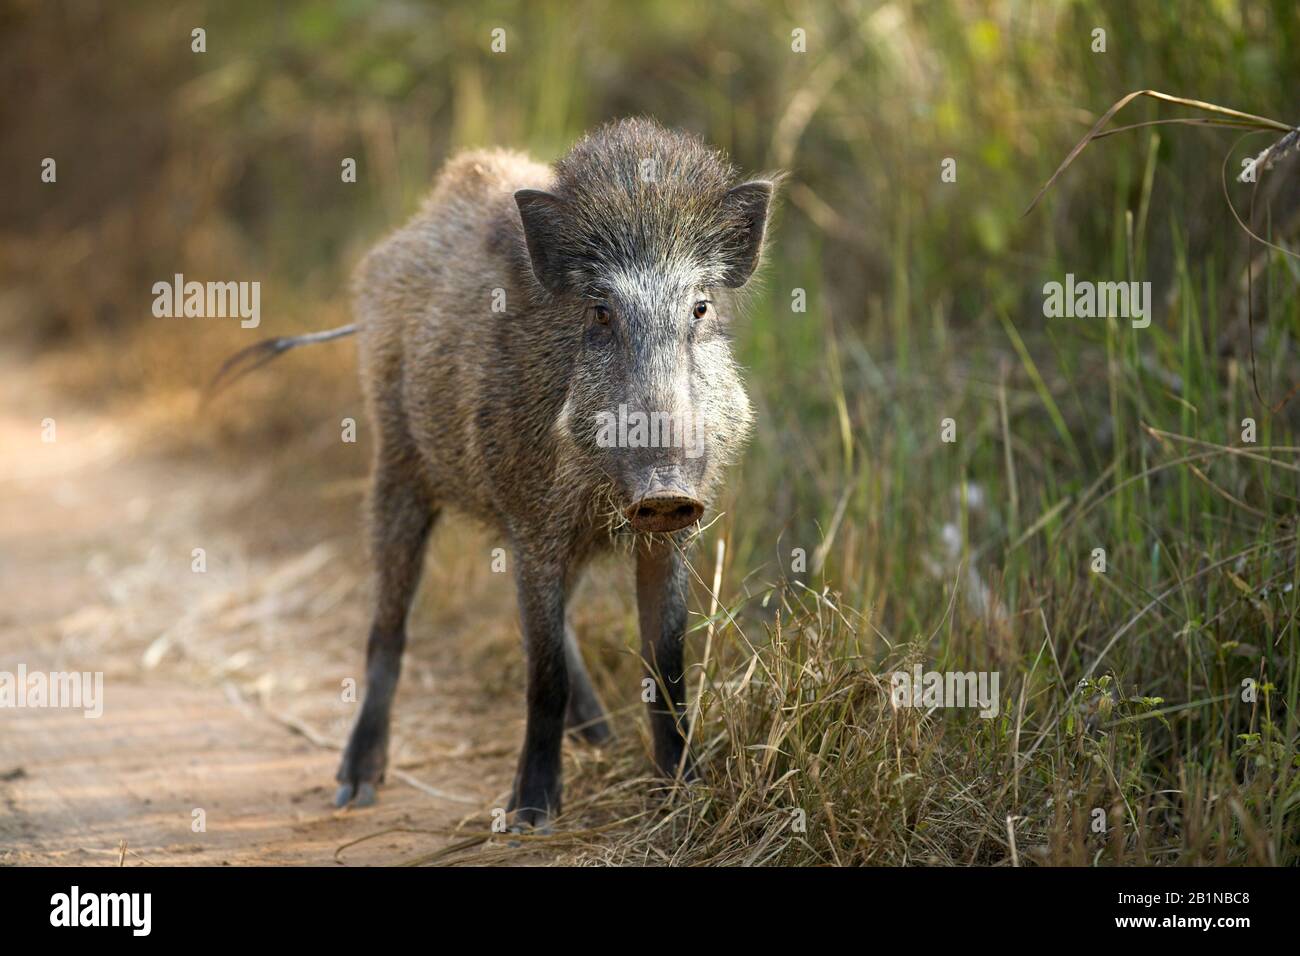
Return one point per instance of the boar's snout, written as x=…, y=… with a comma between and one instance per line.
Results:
x=665, y=511
x=664, y=504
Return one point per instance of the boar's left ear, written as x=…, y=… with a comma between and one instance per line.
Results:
x=747, y=204
x=543, y=217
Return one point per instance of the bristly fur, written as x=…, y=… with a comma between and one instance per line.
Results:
x=485, y=373
x=641, y=195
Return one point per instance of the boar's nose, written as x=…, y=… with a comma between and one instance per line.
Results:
x=664, y=511
x=664, y=506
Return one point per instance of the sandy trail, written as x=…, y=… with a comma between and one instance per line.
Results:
x=206, y=674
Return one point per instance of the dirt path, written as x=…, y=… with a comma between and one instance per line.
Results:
x=207, y=673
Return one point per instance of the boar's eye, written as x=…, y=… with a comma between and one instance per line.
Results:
x=701, y=309
x=602, y=314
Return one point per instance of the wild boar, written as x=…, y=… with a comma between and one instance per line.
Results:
x=547, y=350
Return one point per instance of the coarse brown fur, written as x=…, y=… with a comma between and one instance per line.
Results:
x=483, y=369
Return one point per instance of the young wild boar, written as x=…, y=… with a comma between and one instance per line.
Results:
x=516, y=338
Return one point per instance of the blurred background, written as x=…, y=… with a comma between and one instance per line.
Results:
x=172, y=158
x=924, y=302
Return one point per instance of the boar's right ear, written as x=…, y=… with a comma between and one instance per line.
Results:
x=747, y=204
x=543, y=216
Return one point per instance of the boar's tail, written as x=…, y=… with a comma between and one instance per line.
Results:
x=258, y=354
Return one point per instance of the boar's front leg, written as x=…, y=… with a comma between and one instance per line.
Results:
x=661, y=588
x=402, y=515
x=536, y=796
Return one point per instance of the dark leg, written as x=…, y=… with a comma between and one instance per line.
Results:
x=586, y=715
x=661, y=588
x=541, y=610
x=401, y=516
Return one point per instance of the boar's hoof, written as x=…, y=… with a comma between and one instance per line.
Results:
x=531, y=820
x=362, y=795
x=543, y=828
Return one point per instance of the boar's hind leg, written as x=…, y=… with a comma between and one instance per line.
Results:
x=661, y=609
x=401, y=516
x=586, y=715
x=536, y=796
